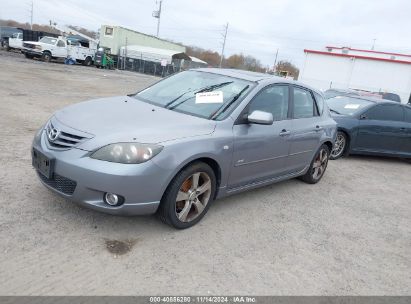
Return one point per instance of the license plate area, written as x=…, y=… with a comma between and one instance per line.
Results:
x=43, y=164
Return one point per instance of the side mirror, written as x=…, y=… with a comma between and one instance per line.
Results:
x=260, y=118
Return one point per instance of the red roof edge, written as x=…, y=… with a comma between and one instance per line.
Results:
x=368, y=51
x=356, y=56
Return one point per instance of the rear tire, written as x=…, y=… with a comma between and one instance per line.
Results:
x=87, y=61
x=188, y=196
x=318, y=166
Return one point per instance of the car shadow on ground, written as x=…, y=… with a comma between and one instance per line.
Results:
x=358, y=157
x=69, y=211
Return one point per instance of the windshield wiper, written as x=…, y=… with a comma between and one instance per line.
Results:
x=175, y=99
x=336, y=112
x=218, y=112
x=205, y=89
x=213, y=87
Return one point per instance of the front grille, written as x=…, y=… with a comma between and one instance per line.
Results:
x=60, y=183
x=28, y=45
x=61, y=140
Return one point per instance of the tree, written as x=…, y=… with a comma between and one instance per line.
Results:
x=212, y=58
x=26, y=26
x=235, y=61
x=249, y=63
x=286, y=66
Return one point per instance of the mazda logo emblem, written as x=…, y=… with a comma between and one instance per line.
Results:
x=53, y=134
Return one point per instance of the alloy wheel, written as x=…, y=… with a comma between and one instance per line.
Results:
x=193, y=196
x=339, y=146
x=320, y=164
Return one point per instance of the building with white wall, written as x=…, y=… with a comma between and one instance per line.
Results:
x=348, y=68
x=116, y=37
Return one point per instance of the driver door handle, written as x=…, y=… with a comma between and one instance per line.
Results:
x=284, y=132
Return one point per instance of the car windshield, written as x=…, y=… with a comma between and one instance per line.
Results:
x=48, y=40
x=347, y=105
x=201, y=94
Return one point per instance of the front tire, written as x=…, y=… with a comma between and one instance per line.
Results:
x=188, y=196
x=46, y=57
x=318, y=166
x=340, y=146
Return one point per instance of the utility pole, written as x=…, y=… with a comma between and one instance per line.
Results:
x=157, y=14
x=31, y=15
x=222, y=51
x=275, y=61
x=373, y=44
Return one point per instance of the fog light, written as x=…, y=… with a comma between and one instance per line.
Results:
x=113, y=199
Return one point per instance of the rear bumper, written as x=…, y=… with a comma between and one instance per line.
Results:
x=84, y=180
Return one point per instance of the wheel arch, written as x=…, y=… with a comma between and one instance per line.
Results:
x=348, y=137
x=210, y=161
x=329, y=144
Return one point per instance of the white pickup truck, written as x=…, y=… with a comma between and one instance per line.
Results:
x=15, y=42
x=49, y=48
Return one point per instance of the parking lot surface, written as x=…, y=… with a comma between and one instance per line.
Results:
x=348, y=235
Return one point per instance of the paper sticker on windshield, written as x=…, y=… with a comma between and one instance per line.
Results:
x=210, y=97
x=352, y=106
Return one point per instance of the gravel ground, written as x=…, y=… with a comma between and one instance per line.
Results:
x=348, y=235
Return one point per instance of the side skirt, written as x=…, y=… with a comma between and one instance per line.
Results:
x=262, y=183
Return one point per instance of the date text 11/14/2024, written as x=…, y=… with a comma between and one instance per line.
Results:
x=203, y=299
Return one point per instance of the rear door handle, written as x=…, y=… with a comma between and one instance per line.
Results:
x=284, y=132
x=318, y=128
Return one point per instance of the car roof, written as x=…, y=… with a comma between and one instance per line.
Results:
x=369, y=98
x=241, y=74
x=255, y=77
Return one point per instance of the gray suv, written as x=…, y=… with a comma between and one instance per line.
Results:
x=187, y=140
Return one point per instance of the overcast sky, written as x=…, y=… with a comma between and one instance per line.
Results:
x=257, y=27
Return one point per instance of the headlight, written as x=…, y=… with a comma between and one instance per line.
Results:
x=38, y=47
x=127, y=153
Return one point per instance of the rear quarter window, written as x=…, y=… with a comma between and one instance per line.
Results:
x=408, y=114
x=320, y=103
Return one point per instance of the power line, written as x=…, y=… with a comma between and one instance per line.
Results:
x=31, y=15
x=157, y=14
x=222, y=51
x=276, y=56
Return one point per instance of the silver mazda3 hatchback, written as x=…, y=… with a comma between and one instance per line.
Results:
x=178, y=145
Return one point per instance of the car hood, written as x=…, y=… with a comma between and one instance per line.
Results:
x=37, y=43
x=126, y=119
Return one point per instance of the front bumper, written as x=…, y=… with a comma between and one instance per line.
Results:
x=84, y=180
x=32, y=52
